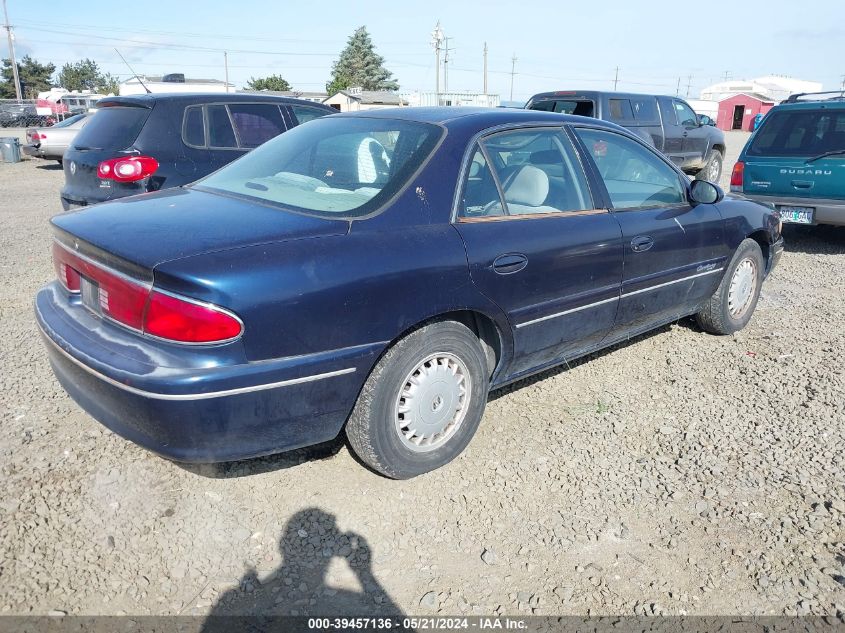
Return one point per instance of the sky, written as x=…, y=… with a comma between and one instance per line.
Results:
x=657, y=46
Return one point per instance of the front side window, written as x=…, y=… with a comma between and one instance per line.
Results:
x=341, y=166
x=536, y=170
x=303, y=114
x=686, y=117
x=633, y=175
x=256, y=123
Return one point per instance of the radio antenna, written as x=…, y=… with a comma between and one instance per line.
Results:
x=133, y=72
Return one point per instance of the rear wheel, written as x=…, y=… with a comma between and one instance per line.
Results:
x=731, y=306
x=422, y=403
x=712, y=169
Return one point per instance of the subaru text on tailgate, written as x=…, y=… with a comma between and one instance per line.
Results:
x=796, y=161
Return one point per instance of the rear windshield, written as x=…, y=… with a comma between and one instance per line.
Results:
x=334, y=166
x=581, y=107
x=114, y=127
x=800, y=133
x=70, y=120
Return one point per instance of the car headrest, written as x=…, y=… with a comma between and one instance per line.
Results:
x=530, y=187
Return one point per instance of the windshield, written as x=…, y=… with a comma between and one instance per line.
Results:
x=800, y=133
x=70, y=120
x=334, y=165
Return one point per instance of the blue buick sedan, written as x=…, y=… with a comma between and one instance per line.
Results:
x=378, y=274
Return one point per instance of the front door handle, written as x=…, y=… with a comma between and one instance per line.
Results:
x=641, y=243
x=510, y=263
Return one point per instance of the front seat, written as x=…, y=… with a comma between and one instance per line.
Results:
x=527, y=191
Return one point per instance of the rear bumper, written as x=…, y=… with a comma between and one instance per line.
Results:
x=827, y=210
x=41, y=151
x=195, y=404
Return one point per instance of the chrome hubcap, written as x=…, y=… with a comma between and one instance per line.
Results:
x=743, y=285
x=432, y=402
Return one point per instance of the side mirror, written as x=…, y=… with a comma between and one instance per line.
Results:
x=703, y=119
x=704, y=192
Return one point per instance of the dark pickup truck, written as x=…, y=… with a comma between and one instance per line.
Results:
x=691, y=141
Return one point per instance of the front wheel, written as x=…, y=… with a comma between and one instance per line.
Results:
x=422, y=403
x=731, y=306
x=712, y=169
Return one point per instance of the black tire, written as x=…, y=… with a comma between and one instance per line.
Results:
x=372, y=429
x=717, y=316
x=712, y=169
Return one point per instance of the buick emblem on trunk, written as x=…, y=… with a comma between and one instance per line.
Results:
x=72, y=168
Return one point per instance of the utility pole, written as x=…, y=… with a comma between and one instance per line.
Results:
x=616, y=79
x=513, y=72
x=12, y=53
x=226, y=64
x=485, y=69
x=678, y=89
x=445, y=64
x=689, y=83
x=727, y=75
x=436, y=40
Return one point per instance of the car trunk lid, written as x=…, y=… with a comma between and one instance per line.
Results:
x=153, y=228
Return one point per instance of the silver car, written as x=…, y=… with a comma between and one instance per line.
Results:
x=51, y=142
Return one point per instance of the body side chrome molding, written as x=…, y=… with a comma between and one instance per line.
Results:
x=622, y=296
x=193, y=396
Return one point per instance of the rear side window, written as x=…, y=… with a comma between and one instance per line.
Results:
x=114, y=128
x=800, y=133
x=620, y=110
x=220, y=132
x=193, y=130
x=303, y=114
x=563, y=106
x=256, y=123
x=645, y=110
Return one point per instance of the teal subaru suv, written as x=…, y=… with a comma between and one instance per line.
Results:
x=796, y=160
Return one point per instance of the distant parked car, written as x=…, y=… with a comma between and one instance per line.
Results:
x=690, y=141
x=381, y=272
x=796, y=160
x=149, y=142
x=52, y=142
x=19, y=115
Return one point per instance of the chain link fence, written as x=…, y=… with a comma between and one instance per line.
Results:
x=36, y=112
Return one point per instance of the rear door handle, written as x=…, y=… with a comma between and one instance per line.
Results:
x=509, y=263
x=641, y=243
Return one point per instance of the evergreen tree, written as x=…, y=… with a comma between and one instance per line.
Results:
x=86, y=75
x=34, y=76
x=273, y=82
x=360, y=66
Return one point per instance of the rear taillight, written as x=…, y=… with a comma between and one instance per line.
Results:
x=177, y=319
x=737, y=176
x=128, y=169
x=137, y=305
x=68, y=277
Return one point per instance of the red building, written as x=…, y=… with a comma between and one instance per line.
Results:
x=738, y=112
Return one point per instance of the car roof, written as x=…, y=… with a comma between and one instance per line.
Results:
x=560, y=94
x=479, y=117
x=822, y=104
x=190, y=98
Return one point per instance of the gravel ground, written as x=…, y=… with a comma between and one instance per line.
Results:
x=678, y=473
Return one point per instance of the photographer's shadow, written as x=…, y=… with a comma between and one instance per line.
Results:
x=310, y=542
